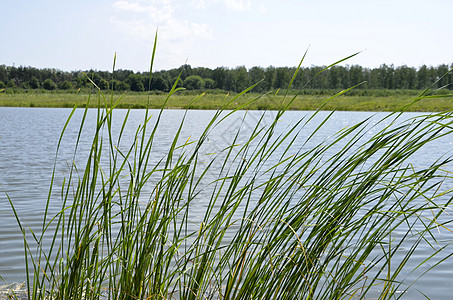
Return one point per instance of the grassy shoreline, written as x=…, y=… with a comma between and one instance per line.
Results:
x=383, y=101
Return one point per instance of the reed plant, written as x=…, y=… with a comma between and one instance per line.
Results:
x=284, y=217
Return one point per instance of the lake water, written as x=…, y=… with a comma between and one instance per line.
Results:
x=29, y=138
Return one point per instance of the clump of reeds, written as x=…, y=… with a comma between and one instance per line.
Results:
x=281, y=221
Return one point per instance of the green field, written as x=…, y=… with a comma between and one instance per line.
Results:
x=352, y=101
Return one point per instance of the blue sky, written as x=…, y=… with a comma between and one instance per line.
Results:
x=79, y=35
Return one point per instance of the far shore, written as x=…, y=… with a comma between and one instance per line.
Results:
x=378, y=101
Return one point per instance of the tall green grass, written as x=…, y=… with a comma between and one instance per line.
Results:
x=281, y=221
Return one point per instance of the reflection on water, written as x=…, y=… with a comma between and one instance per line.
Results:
x=29, y=138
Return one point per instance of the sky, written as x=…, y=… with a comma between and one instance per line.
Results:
x=86, y=34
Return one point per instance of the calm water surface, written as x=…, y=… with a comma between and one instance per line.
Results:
x=29, y=138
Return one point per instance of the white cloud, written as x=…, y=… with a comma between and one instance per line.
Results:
x=136, y=28
x=199, y=4
x=158, y=13
x=127, y=6
x=140, y=19
x=239, y=5
x=236, y=5
x=202, y=30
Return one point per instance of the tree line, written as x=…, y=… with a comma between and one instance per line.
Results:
x=231, y=79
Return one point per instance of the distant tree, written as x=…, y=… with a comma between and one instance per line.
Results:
x=135, y=82
x=282, y=78
x=122, y=75
x=33, y=83
x=334, y=77
x=241, y=81
x=229, y=82
x=193, y=82
x=3, y=73
x=373, y=79
x=209, y=83
x=103, y=84
x=49, y=84
x=314, y=78
x=24, y=85
x=180, y=82
x=386, y=76
x=158, y=83
x=80, y=81
x=11, y=84
x=186, y=71
x=115, y=84
x=256, y=74
x=219, y=75
x=202, y=72
x=355, y=74
x=104, y=74
x=405, y=78
x=65, y=85
x=343, y=74
x=97, y=79
x=12, y=74
x=442, y=75
x=237, y=79
x=124, y=86
x=2, y=85
x=269, y=78
x=423, y=77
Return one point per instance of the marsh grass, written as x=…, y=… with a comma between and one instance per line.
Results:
x=280, y=221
